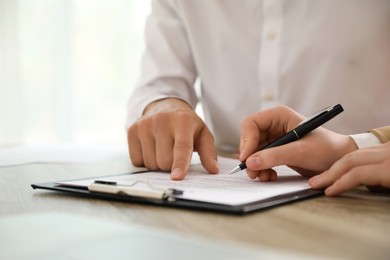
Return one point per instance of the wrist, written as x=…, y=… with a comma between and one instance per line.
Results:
x=166, y=105
x=345, y=145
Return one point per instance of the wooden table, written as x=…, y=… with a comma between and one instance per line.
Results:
x=353, y=226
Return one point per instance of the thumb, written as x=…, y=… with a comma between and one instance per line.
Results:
x=271, y=157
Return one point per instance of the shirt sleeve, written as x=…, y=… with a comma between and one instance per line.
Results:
x=373, y=137
x=364, y=140
x=167, y=66
x=382, y=133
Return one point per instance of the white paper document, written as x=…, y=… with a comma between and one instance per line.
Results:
x=221, y=188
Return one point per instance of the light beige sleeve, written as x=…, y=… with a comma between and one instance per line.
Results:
x=383, y=133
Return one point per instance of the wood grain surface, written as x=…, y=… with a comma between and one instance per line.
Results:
x=355, y=225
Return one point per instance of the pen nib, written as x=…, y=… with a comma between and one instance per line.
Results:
x=235, y=170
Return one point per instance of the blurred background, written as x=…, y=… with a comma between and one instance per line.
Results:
x=67, y=68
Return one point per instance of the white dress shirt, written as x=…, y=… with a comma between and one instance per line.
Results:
x=365, y=140
x=250, y=55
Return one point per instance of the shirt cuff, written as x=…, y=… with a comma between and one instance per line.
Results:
x=365, y=140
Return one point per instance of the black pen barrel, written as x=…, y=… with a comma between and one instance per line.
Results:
x=285, y=139
x=321, y=119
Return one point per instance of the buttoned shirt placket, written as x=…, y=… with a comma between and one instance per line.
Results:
x=272, y=25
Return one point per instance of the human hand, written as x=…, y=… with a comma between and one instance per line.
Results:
x=311, y=155
x=369, y=166
x=165, y=137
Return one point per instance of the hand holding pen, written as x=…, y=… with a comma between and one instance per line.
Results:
x=281, y=126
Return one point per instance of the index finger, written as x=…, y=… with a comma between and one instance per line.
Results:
x=265, y=126
x=182, y=153
x=250, y=138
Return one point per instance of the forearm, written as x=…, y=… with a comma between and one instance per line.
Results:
x=166, y=70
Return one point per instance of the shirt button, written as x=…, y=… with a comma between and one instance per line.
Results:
x=269, y=96
x=271, y=35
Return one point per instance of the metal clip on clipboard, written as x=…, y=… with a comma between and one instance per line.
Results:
x=137, y=189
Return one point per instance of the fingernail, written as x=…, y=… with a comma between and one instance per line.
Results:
x=255, y=161
x=329, y=191
x=177, y=173
x=313, y=181
x=217, y=165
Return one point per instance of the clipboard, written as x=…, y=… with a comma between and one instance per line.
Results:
x=147, y=194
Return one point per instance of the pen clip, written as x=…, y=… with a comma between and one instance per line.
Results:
x=322, y=111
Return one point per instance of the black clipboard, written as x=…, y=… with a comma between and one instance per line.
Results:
x=179, y=202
